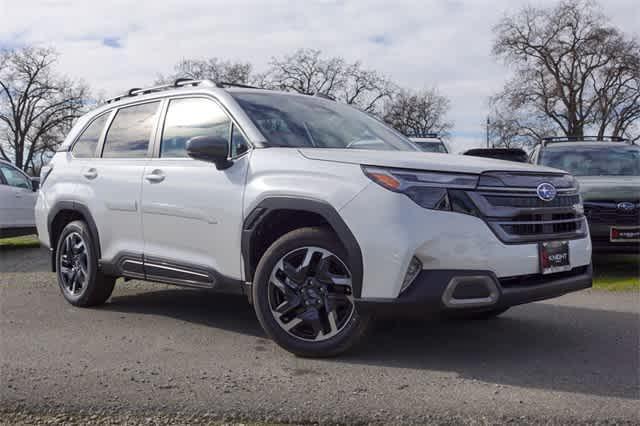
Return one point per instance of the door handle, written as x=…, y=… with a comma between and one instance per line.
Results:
x=91, y=174
x=155, y=176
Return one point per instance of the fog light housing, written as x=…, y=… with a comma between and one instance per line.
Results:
x=415, y=266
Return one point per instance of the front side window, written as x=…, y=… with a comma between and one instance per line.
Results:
x=14, y=178
x=85, y=146
x=313, y=122
x=130, y=132
x=594, y=161
x=188, y=118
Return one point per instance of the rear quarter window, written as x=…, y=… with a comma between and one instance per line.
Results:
x=87, y=142
x=130, y=132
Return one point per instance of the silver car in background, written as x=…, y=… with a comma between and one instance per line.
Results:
x=17, y=201
x=430, y=143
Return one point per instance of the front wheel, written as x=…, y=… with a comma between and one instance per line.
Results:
x=303, y=294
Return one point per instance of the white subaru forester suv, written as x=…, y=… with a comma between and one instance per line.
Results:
x=319, y=213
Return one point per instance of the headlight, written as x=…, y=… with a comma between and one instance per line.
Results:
x=430, y=190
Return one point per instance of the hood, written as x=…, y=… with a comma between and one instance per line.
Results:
x=611, y=188
x=422, y=161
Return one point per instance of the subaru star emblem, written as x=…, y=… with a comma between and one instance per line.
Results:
x=626, y=206
x=546, y=191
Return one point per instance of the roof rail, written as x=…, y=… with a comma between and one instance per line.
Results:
x=181, y=82
x=427, y=135
x=553, y=139
x=325, y=96
x=245, y=86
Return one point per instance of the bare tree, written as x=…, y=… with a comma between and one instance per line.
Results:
x=37, y=106
x=366, y=89
x=212, y=68
x=418, y=113
x=307, y=71
x=566, y=61
x=517, y=129
x=617, y=87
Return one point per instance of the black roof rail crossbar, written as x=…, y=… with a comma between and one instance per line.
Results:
x=325, y=96
x=177, y=83
x=553, y=139
x=242, y=85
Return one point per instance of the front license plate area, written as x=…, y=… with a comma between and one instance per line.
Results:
x=554, y=256
x=624, y=234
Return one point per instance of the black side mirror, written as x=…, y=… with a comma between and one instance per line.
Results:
x=210, y=148
x=35, y=183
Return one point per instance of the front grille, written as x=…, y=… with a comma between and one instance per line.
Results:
x=532, y=201
x=543, y=223
x=608, y=213
x=517, y=215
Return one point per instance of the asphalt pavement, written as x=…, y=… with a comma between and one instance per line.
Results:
x=175, y=355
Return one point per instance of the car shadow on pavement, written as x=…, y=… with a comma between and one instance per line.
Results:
x=219, y=310
x=545, y=346
x=561, y=348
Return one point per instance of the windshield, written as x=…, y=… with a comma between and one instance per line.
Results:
x=594, y=161
x=431, y=146
x=312, y=122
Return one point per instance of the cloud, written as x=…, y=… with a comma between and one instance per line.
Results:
x=418, y=43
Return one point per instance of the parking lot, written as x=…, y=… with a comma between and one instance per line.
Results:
x=158, y=352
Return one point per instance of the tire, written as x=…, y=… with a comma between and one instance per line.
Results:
x=308, y=311
x=79, y=279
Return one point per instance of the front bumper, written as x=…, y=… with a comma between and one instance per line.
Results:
x=391, y=229
x=442, y=291
x=601, y=242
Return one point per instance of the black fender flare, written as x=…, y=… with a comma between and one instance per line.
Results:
x=322, y=208
x=79, y=208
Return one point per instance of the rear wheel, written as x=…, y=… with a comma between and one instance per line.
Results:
x=80, y=281
x=303, y=294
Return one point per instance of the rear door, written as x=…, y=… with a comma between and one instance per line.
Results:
x=191, y=211
x=111, y=183
x=17, y=198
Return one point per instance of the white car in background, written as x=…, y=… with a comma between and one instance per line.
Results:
x=430, y=143
x=17, y=201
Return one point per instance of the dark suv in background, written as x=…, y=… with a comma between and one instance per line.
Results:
x=608, y=170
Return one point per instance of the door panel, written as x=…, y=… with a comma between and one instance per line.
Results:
x=25, y=202
x=17, y=199
x=194, y=215
x=112, y=196
x=191, y=211
x=111, y=186
x=8, y=212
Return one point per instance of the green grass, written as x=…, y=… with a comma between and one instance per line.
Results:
x=27, y=241
x=616, y=272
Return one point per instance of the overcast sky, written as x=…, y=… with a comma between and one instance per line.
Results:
x=115, y=45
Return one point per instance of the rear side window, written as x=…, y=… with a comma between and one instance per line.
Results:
x=85, y=146
x=130, y=132
x=189, y=118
